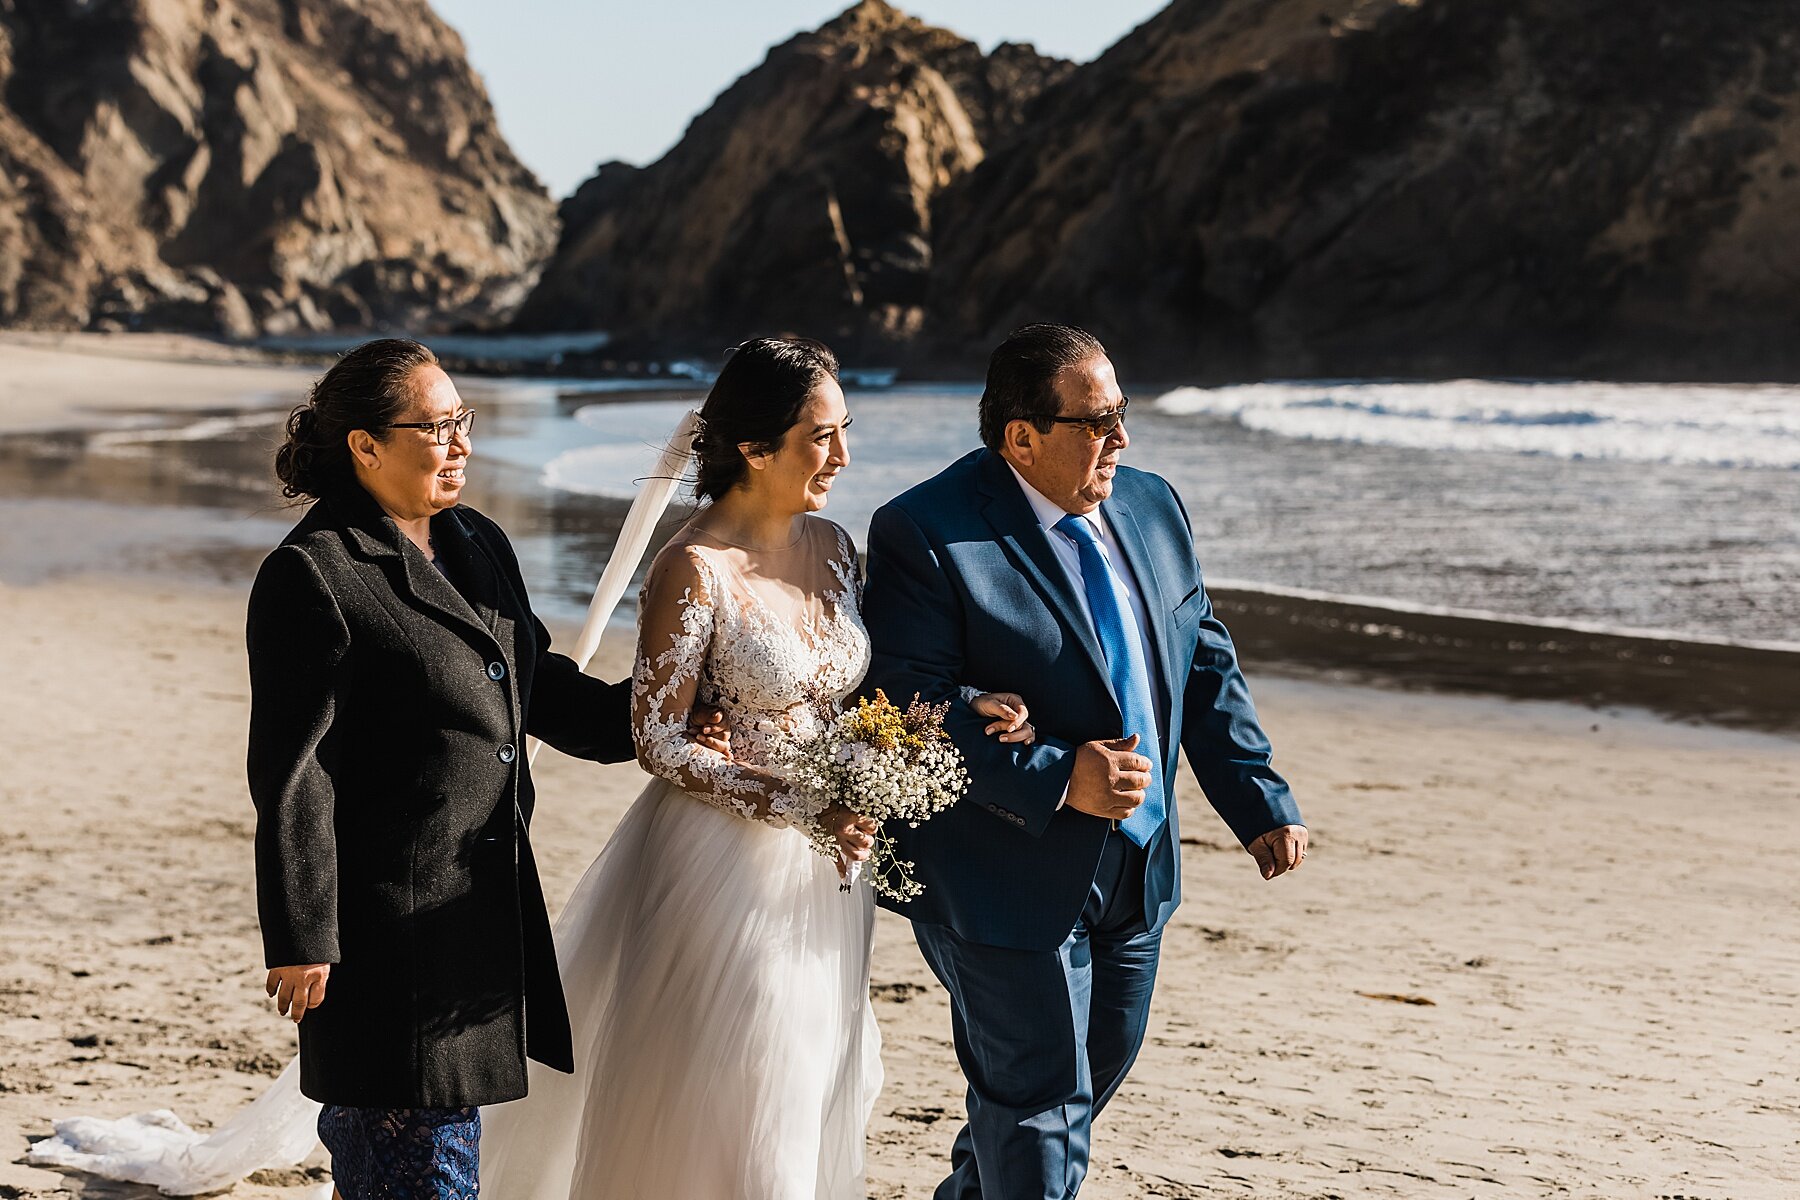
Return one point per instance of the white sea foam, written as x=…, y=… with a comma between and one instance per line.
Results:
x=203, y=429
x=1722, y=426
x=634, y=435
x=596, y=471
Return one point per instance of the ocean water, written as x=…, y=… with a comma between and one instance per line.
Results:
x=1627, y=508
x=1643, y=507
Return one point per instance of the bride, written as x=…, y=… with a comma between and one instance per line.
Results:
x=717, y=974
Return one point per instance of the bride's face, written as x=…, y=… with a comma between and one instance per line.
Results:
x=800, y=472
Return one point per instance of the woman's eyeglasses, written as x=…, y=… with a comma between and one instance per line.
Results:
x=445, y=429
x=1100, y=425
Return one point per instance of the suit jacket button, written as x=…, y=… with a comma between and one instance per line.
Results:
x=496, y=671
x=993, y=808
x=506, y=753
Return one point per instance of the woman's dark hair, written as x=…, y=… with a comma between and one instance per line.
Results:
x=1021, y=376
x=756, y=399
x=368, y=388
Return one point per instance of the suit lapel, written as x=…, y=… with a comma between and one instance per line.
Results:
x=1016, y=527
x=1143, y=568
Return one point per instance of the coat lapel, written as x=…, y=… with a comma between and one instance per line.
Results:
x=1016, y=527
x=374, y=533
x=469, y=565
x=1143, y=569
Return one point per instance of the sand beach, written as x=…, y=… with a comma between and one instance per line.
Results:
x=1539, y=949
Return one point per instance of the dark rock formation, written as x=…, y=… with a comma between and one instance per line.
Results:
x=801, y=199
x=1299, y=187
x=254, y=165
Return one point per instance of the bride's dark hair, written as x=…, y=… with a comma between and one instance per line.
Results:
x=756, y=400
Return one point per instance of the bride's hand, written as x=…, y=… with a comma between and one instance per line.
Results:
x=1008, y=713
x=855, y=835
x=707, y=726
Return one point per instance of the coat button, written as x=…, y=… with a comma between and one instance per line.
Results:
x=506, y=753
x=496, y=671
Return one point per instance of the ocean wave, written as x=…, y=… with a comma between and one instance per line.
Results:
x=1712, y=425
x=607, y=471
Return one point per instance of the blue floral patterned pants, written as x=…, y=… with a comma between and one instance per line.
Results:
x=402, y=1153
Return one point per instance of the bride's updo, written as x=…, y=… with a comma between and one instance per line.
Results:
x=754, y=402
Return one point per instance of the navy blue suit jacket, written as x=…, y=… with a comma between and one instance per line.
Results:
x=965, y=588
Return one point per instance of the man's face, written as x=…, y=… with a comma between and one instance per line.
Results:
x=1067, y=465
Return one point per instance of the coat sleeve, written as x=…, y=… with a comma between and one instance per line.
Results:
x=916, y=626
x=298, y=644
x=1225, y=743
x=578, y=714
x=582, y=716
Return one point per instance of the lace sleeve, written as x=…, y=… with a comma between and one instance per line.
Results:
x=847, y=566
x=675, y=631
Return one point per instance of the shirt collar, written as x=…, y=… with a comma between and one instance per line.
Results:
x=1047, y=511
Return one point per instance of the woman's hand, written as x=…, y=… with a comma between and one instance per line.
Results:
x=1008, y=713
x=297, y=989
x=855, y=835
x=706, y=725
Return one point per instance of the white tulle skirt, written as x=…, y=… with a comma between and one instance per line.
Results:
x=718, y=986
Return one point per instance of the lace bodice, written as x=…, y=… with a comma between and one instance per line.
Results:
x=774, y=638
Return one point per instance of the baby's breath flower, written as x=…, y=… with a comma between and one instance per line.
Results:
x=883, y=762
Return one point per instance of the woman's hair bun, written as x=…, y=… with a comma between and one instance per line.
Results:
x=368, y=388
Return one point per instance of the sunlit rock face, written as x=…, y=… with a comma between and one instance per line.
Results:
x=1416, y=187
x=254, y=166
x=801, y=199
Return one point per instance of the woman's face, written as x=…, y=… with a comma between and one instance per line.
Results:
x=799, y=474
x=407, y=472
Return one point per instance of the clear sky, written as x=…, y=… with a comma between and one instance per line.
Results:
x=581, y=82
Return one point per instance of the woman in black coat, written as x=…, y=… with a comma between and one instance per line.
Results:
x=396, y=670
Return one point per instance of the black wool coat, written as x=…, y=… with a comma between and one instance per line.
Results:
x=388, y=716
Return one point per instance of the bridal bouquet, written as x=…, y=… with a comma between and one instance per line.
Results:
x=880, y=761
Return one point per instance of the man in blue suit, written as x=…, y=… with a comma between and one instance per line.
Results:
x=1040, y=565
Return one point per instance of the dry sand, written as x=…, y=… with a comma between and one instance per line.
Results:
x=1599, y=907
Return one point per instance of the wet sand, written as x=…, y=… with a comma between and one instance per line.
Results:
x=1539, y=949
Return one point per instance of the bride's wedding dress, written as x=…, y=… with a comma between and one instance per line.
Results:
x=717, y=976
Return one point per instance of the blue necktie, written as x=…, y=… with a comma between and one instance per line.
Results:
x=1129, y=674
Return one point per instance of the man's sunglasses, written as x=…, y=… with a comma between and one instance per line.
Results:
x=442, y=430
x=1101, y=425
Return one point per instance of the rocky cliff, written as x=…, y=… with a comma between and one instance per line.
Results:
x=254, y=165
x=1419, y=187
x=801, y=199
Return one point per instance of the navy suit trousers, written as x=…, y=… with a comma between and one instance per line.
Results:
x=1046, y=1036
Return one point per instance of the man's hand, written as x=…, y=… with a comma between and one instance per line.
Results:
x=1279, y=850
x=1109, y=778
x=297, y=989
x=706, y=722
